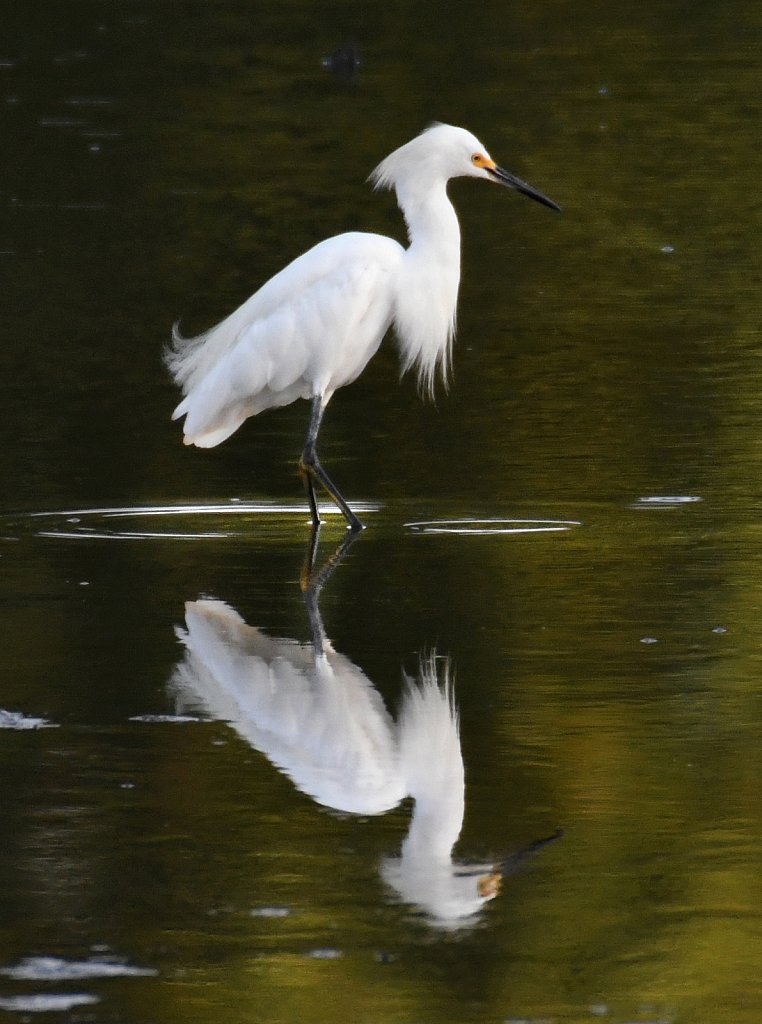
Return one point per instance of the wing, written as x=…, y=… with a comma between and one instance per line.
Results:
x=318, y=718
x=309, y=330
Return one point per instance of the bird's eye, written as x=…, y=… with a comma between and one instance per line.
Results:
x=477, y=158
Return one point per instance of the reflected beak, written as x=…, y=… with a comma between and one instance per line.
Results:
x=510, y=864
x=506, y=178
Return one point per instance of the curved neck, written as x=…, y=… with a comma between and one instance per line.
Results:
x=431, y=221
x=435, y=825
x=427, y=292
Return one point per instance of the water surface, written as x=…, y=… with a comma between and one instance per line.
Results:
x=572, y=530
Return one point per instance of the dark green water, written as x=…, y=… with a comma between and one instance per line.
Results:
x=162, y=160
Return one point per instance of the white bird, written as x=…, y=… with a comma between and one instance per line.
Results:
x=319, y=719
x=313, y=327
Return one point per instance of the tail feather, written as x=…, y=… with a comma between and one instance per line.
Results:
x=191, y=359
x=210, y=419
x=429, y=729
x=183, y=356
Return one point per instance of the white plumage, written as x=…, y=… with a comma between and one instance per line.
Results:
x=319, y=719
x=310, y=330
x=315, y=715
x=313, y=327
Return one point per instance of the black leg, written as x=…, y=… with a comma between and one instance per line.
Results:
x=311, y=497
x=312, y=471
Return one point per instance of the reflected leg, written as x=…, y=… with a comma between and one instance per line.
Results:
x=312, y=582
x=305, y=577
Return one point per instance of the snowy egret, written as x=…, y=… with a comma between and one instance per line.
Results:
x=318, y=718
x=314, y=326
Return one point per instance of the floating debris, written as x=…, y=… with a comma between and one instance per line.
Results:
x=344, y=62
x=15, y=720
x=270, y=912
x=53, y=968
x=327, y=953
x=49, y=1003
x=162, y=719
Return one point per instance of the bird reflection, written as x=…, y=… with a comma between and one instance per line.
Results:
x=319, y=719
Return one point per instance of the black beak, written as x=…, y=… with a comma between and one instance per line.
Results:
x=506, y=178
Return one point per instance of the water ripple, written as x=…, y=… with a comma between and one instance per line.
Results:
x=164, y=522
x=483, y=527
x=666, y=500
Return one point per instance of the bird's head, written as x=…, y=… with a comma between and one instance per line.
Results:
x=442, y=152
